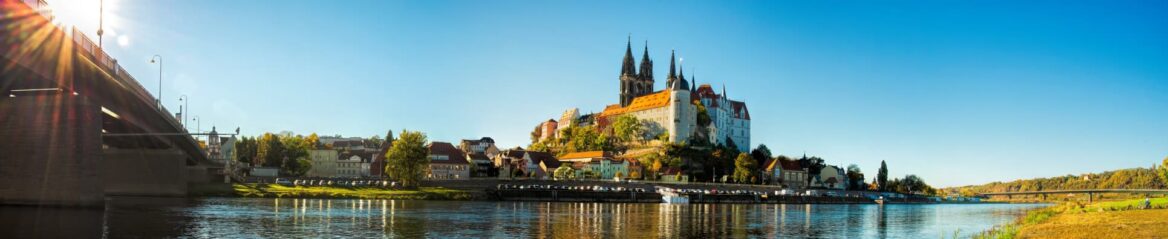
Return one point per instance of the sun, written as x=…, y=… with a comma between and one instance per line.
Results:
x=89, y=15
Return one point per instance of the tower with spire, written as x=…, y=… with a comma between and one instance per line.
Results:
x=634, y=84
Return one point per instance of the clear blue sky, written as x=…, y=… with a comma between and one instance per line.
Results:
x=954, y=91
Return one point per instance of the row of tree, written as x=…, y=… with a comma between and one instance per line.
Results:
x=287, y=152
x=1155, y=177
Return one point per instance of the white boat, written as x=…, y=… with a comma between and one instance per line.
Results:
x=668, y=195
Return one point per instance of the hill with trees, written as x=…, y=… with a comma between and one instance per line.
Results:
x=1133, y=178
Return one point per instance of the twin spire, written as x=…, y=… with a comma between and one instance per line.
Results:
x=628, y=67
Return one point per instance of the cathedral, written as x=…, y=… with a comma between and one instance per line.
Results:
x=672, y=111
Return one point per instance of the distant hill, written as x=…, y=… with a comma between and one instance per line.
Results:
x=1133, y=178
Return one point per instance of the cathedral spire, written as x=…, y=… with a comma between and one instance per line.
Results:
x=628, y=67
x=647, y=66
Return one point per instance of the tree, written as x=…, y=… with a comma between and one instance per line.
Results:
x=1162, y=171
x=269, y=151
x=855, y=178
x=295, y=151
x=376, y=141
x=760, y=154
x=882, y=177
x=814, y=166
x=313, y=141
x=744, y=167
x=563, y=172
x=620, y=175
x=627, y=129
x=245, y=150
x=407, y=159
x=537, y=133
x=703, y=118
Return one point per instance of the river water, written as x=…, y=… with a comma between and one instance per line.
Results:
x=348, y=218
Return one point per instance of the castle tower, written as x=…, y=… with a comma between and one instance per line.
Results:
x=682, y=112
x=628, y=77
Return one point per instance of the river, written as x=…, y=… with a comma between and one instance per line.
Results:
x=347, y=218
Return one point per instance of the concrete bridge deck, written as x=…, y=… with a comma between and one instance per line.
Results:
x=76, y=126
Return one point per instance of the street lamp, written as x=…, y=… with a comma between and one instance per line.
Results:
x=187, y=102
x=198, y=126
x=159, y=61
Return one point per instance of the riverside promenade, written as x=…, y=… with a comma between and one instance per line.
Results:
x=645, y=191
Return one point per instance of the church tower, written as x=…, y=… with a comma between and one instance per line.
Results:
x=628, y=77
x=646, y=76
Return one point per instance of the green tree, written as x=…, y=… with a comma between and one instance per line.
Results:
x=703, y=118
x=269, y=151
x=1163, y=171
x=761, y=153
x=563, y=172
x=245, y=150
x=744, y=168
x=407, y=159
x=882, y=177
x=855, y=178
x=376, y=141
x=295, y=151
x=627, y=129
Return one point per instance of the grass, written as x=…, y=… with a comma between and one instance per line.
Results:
x=279, y=191
x=1114, y=219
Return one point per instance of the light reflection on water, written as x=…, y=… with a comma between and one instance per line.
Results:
x=249, y=217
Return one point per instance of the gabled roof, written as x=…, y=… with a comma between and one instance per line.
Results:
x=739, y=110
x=513, y=153
x=791, y=165
x=478, y=156
x=537, y=157
x=453, y=155
x=550, y=164
x=769, y=164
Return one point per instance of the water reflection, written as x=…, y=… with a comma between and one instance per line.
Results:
x=238, y=217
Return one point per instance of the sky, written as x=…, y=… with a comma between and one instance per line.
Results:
x=956, y=92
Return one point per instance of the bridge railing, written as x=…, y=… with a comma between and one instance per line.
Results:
x=117, y=71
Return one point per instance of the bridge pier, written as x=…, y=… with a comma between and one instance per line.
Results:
x=51, y=153
x=145, y=172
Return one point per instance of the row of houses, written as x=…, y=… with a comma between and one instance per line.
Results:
x=792, y=174
x=534, y=164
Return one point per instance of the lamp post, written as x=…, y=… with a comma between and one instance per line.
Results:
x=198, y=126
x=159, y=61
x=100, y=22
x=187, y=104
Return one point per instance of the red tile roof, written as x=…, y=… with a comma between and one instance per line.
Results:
x=740, y=111
x=453, y=155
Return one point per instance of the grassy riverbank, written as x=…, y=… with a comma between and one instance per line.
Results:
x=279, y=191
x=1117, y=219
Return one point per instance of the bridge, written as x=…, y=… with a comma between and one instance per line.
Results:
x=76, y=126
x=1090, y=192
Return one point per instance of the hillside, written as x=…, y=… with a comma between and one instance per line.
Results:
x=1134, y=178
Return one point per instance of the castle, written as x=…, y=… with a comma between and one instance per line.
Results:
x=674, y=110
